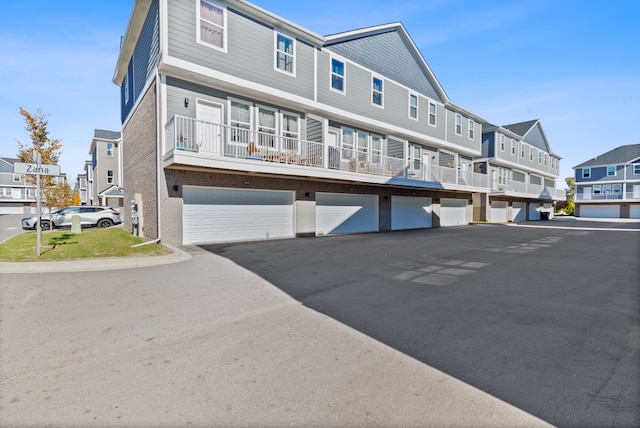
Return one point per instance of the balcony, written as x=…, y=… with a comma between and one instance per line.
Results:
x=510, y=187
x=594, y=197
x=191, y=141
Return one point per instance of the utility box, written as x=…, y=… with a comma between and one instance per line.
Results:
x=76, y=228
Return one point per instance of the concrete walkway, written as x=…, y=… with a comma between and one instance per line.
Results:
x=206, y=343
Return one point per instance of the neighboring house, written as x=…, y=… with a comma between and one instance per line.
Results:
x=82, y=185
x=608, y=186
x=17, y=196
x=240, y=125
x=522, y=169
x=104, y=173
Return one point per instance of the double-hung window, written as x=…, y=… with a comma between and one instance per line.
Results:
x=458, y=124
x=240, y=121
x=502, y=143
x=290, y=131
x=611, y=171
x=109, y=150
x=285, y=54
x=211, y=28
x=586, y=172
x=531, y=154
x=347, y=143
x=636, y=169
x=376, y=91
x=545, y=159
x=539, y=157
x=376, y=148
x=337, y=75
x=110, y=176
x=432, y=114
x=413, y=106
x=523, y=150
x=267, y=126
x=513, y=147
x=472, y=126
x=125, y=85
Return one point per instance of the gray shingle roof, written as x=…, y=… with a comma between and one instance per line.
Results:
x=103, y=134
x=521, y=128
x=616, y=156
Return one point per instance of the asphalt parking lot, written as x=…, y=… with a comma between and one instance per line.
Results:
x=545, y=319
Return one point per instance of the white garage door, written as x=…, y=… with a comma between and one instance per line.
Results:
x=600, y=211
x=634, y=211
x=410, y=213
x=214, y=215
x=453, y=212
x=519, y=211
x=534, y=211
x=11, y=209
x=499, y=211
x=338, y=213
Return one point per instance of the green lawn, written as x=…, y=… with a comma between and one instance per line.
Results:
x=64, y=245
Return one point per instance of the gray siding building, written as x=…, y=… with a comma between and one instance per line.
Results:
x=608, y=186
x=238, y=124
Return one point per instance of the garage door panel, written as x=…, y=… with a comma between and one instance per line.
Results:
x=346, y=213
x=519, y=211
x=534, y=212
x=453, y=212
x=499, y=211
x=600, y=211
x=634, y=211
x=213, y=215
x=409, y=212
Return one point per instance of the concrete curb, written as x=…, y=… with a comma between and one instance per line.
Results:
x=88, y=265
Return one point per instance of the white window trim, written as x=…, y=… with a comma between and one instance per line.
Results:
x=513, y=147
x=539, y=157
x=381, y=105
x=224, y=27
x=435, y=115
x=127, y=91
x=411, y=94
x=530, y=154
x=344, y=75
x=455, y=124
x=503, y=144
x=545, y=159
x=614, y=171
x=109, y=155
x=472, y=129
x=636, y=169
x=586, y=172
x=230, y=101
x=523, y=150
x=110, y=179
x=275, y=53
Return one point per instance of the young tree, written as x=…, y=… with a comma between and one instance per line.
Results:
x=49, y=151
x=571, y=194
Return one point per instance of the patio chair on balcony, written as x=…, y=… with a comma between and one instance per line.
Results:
x=254, y=153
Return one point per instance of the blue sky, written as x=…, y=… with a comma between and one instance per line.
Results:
x=573, y=64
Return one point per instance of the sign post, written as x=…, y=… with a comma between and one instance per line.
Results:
x=38, y=169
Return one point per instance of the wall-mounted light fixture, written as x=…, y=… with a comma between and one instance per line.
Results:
x=307, y=194
x=186, y=102
x=247, y=183
x=175, y=187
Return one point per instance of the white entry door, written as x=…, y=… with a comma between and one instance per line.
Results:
x=209, y=131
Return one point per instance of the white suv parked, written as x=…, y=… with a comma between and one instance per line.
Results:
x=89, y=216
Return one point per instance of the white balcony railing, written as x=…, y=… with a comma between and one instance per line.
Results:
x=216, y=140
x=601, y=196
x=508, y=185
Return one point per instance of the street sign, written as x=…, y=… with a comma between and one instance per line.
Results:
x=34, y=168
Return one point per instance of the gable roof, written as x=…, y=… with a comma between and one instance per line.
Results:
x=363, y=46
x=6, y=164
x=521, y=128
x=103, y=134
x=619, y=155
x=533, y=134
